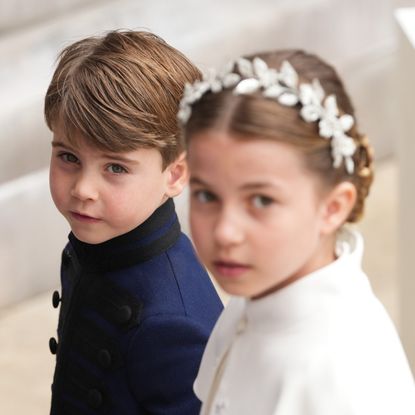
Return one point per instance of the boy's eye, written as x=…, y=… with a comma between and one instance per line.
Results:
x=260, y=201
x=68, y=158
x=204, y=196
x=116, y=169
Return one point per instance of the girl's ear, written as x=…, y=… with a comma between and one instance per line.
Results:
x=177, y=174
x=337, y=207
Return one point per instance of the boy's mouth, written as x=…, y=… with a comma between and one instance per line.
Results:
x=83, y=217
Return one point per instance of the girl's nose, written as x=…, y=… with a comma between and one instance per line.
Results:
x=84, y=188
x=229, y=229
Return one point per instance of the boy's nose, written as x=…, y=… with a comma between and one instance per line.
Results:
x=228, y=229
x=84, y=188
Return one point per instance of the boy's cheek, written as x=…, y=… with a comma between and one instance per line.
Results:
x=57, y=189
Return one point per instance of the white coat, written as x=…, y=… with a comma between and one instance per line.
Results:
x=323, y=345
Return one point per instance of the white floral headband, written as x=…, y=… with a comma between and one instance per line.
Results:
x=282, y=86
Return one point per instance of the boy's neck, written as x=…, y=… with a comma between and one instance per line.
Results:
x=148, y=239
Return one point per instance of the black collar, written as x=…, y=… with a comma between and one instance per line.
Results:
x=154, y=236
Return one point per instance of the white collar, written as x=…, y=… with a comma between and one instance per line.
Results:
x=311, y=292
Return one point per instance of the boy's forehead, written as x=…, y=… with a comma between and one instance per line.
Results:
x=71, y=135
x=73, y=138
x=64, y=133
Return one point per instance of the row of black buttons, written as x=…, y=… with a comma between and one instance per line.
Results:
x=94, y=397
x=53, y=344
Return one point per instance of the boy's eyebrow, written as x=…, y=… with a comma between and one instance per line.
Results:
x=118, y=157
x=111, y=156
x=57, y=143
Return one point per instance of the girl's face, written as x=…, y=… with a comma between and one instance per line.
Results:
x=257, y=215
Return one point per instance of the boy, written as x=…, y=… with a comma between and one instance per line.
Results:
x=136, y=306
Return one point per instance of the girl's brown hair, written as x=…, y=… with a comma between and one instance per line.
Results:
x=120, y=92
x=249, y=116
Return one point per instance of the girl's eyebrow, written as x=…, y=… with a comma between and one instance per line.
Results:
x=196, y=180
x=259, y=185
x=248, y=186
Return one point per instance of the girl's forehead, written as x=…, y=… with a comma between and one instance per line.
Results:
x=229, y=147
x=222, y=159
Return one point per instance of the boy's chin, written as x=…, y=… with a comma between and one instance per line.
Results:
x=94, y=238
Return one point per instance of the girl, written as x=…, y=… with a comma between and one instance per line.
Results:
x=277, y=168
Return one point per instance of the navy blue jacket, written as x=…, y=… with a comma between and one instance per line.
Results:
x=136, y=312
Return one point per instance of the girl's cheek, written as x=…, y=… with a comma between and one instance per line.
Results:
x=196, y=225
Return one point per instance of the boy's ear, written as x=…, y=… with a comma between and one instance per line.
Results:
x=337, y=207
x=177, y=176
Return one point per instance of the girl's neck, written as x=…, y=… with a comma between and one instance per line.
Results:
x=325, y=256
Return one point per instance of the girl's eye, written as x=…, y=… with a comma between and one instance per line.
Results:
x=203, y=196
x=68, y=158
x=116, y=169
x=260, y=201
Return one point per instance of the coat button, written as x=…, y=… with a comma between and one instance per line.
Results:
x=66, y=256
x=220, y=407
x=104, y=358
x=94, y=398
x=56, y=299
x=124, y=314
x=53, y=345
x=242, y=324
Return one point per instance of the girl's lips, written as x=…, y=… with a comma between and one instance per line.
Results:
x=230, y=269
x=84, y=218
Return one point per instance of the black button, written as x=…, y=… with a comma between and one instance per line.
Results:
x=124, y=314
x=104, y=358
x=66, y=256
x=56, y=298
x=53, y=345
x=95, y=398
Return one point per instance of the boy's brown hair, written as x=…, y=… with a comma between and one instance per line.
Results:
x=121, y=92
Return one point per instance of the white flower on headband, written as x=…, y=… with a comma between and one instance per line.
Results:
x=343, y=147
x=283, y=87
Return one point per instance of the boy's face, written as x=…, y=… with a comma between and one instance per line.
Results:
x=257, y=216
x=104, y=195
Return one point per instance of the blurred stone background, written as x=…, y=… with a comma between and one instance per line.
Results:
x=360, y=37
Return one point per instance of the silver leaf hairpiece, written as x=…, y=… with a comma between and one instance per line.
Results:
x=282, y=86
